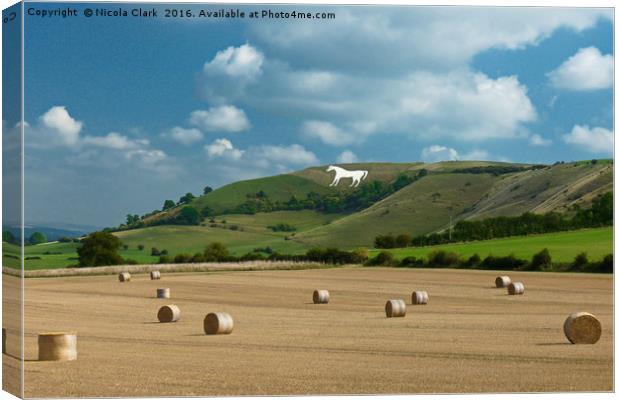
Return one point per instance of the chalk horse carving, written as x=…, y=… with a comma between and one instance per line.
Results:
x=356, y=176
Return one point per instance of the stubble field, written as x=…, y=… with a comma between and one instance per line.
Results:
x=471, y=337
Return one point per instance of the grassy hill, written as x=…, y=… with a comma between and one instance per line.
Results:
x=459, y=190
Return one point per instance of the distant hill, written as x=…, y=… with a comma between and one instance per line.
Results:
x=458, y=190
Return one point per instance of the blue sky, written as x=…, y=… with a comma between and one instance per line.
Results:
x=124, y=113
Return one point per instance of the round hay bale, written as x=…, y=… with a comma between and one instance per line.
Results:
x=124, y=277
x=169, y=313
x=516, y=288
x=582, y=328
x=320, y=297
x=155, y=275
x=419, y=297
x=502, y=281
x=218, y=323
x=395, y=308
x=57, y=346
x=163, y=293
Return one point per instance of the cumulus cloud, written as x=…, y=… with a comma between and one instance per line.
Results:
x=61, y=128
x=221, y=119
x=537, y=140
x=437, y=153
x=288, y=155
x=346, y=157
x=594, y=140
x=230, y=71
x=57, y=128
x=397, y=38
x=327, y=133
x=588, y=69
x=183, y=135
x=223, y=148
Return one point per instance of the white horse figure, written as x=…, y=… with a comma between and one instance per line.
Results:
x=356, y=176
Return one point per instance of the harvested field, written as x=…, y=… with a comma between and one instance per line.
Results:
x=472, y=337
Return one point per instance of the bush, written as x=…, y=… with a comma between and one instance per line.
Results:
x=412, y=261
x=473, y=261
x=541, y=260
x=361, y=253
x=165, y=260
x=188, y=216
x=216, y=252
x=383, y=258
x=385, y=242
x=140, y=247
x=182, y=259
x=581, y=260
x=65, y=239
x=282, y=227
x=98, y=249
x=441, y=258
x=164, y=252
x=155, y=251
x=503, y=263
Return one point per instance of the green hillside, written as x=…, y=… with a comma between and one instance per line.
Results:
x=458, y=190
x=563, y=246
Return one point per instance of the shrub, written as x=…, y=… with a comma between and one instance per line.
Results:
x=282, y=227
x=155, y=251
x=473, y=261
x=164, y=252
x=165, y=260
x=140, y=247
x=182, y=258
x=188, y=216
x=503, y=263
x=361, y=253
x=383, y=258
x=216, y=252
x=441, y=258
x=581, y=260
x=198, y=258
x=385, y=242
x=541, y=259
x=412, y=261
x=65, y=239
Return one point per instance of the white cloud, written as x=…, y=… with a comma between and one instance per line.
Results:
x=114, y=141
x=537, y=140
x=221, y=119
x=238, y=62
x=476, y=155
x=595, y=140
x=61, y=127
x=290, y=155
x=223, y=148
x=588, y=69
x=184, y=136
x=327, y=133
x=437, y=153
x=396, y=38
x=226, y=76
x=346, y=157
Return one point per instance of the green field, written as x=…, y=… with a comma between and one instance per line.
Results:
x=563, y=246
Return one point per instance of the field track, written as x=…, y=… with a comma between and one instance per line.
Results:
x=471, y=337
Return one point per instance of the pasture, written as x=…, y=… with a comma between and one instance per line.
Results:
x=563, y=246
x=470, y=337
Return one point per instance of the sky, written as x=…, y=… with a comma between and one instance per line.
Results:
x=124, y=113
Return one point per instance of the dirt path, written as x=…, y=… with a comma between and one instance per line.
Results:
x=471, y=337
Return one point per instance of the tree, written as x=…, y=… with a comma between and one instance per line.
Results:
x=8, y=237
x=207, y=212
x=38, y=238
x=207, y=190
x=132, y=219
x=216, y=252
x=188, y=198
x=541, y=259
x=168, y=204
x=98, y=249
x=188, y=216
